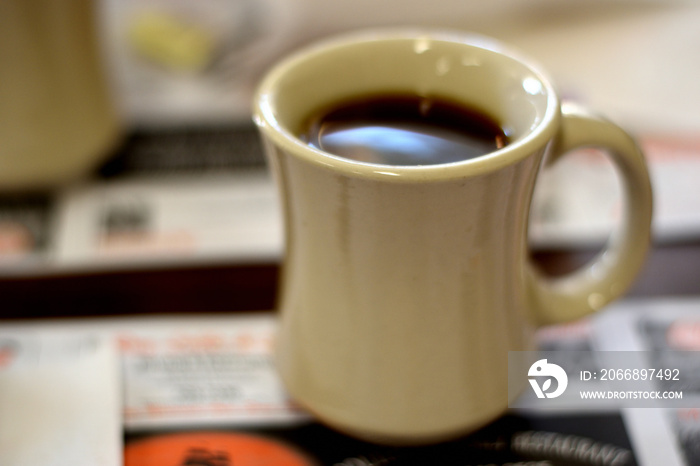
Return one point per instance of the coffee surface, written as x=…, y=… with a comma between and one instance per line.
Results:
x=403, y=130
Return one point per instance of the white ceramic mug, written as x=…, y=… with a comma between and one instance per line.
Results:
x=404, y=287
x=57, y=118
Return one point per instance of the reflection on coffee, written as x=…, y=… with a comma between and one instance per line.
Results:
x=403, y=130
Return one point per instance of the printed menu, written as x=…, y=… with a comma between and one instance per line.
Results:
x=203, y=390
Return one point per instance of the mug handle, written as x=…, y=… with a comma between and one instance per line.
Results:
x=607, y=276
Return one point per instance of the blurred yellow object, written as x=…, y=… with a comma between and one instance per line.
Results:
x=170, y=41
x=56, y=117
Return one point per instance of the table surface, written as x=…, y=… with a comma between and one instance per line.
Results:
x=670, y=270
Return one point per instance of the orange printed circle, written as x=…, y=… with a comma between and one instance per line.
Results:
x=212, y=449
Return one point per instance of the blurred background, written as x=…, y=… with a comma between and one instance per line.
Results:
x=126, y=140
x=132, y=182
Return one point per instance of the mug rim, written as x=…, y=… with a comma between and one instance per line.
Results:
x=264, y=115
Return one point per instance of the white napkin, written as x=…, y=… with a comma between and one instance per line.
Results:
x=59, y=401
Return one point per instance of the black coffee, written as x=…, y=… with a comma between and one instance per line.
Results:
x=403, y=130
